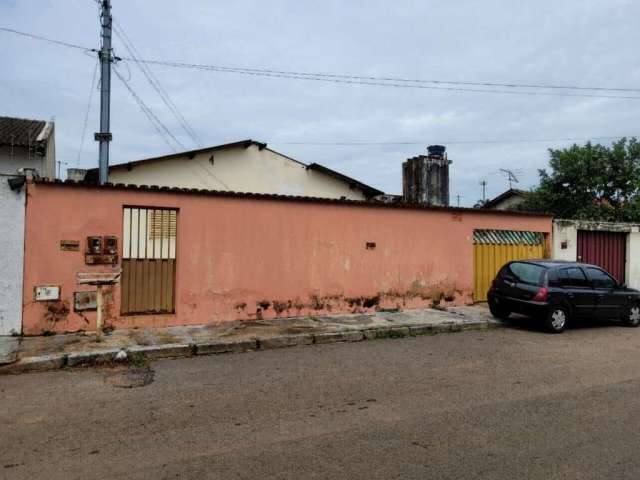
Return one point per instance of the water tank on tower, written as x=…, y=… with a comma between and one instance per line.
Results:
x=425, y=178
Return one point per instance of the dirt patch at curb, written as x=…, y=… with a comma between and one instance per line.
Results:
x=133, y=377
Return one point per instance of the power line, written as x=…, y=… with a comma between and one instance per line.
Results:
x=328, y=79
x=45, y=39
x=162, y=130
x=393, y=79
x=394, y=82
x=86, y=114
x=156, y=85
x=455, y=142
x=450, y=142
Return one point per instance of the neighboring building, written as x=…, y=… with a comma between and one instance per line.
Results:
x=508, y=200
x=246, y=166
x=25, y=145
x=193, y=257
x=612, y=246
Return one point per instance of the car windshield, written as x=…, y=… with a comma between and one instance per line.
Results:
x=527, y=272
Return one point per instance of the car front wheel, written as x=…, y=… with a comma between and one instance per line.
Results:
x=557, y=319
x=633, y=316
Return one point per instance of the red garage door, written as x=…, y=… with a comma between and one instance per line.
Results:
x=605, y=249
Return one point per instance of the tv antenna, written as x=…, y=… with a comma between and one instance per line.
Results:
x=511, y=176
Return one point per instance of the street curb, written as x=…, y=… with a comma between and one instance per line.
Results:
x=386, y=332
x=41, y=363
x=168, y=350
x=283, y=341
x=9, y=347
x=226, y=346
x=174, y=350
x=79, y=359
x=335, y=337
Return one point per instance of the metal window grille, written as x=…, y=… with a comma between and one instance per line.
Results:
x=149, y=260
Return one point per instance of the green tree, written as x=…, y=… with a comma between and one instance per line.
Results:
x=590, y=182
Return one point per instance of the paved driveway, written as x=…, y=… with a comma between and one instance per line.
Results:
x=497, y=404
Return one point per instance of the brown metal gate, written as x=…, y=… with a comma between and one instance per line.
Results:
x=607, y=250
x=149, y=260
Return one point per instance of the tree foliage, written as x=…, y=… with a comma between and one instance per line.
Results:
x=590, y=182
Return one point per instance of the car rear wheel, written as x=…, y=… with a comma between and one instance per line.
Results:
x=499, y=311
x=633, y=316
x=557, y=319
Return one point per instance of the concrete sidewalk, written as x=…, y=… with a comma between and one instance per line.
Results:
x=22, y=354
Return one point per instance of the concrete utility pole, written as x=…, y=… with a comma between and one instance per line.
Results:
x=106, y=58
x=483, y=183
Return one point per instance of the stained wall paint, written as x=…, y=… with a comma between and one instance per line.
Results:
x=248, y=258
x=12, y=214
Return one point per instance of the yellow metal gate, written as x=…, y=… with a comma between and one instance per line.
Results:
x=493, y=248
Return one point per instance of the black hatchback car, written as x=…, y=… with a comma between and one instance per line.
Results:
x=557, y=291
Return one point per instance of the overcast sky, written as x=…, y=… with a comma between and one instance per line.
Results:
x=577, y=42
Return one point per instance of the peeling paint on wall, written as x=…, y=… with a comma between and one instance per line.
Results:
x=265, y=258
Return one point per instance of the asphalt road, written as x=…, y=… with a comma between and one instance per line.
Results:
x=499, y=404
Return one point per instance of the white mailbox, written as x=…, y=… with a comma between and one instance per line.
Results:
x=47, y=293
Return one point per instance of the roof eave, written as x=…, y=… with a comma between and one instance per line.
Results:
x=277, y=197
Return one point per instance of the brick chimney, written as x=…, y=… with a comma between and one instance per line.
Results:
x=425, y=178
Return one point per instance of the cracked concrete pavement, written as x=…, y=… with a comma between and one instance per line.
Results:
x=492, y=404
x=58, y=351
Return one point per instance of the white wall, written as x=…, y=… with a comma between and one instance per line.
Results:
x=509, y=203
x=238, y=169
x=12, y=257
x=13, y=158
x=567, y=232
x=633, y=259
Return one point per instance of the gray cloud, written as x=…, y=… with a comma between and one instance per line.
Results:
x=561, y=42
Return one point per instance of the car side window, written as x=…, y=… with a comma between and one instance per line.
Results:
x=572, y=277
x=600, y=278
x=527, y=272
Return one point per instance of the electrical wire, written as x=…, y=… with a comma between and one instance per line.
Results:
x=455, y=142
x=156, y=85
x=162, y=130
x=86, y=114
x=44, y=39
x=383, y=81
x=394, y=79
x=329, y=79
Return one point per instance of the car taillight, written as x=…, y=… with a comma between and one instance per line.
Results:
x=542, y=295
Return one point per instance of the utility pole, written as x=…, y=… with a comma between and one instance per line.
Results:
x=106, y=58
x=458, y=200
x=484, y=190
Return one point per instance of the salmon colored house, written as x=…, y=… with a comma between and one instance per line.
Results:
x=200, y=257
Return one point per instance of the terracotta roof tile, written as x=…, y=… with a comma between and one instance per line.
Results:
x=277, y=197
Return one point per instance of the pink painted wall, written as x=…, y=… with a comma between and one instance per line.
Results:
x=234, y=252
